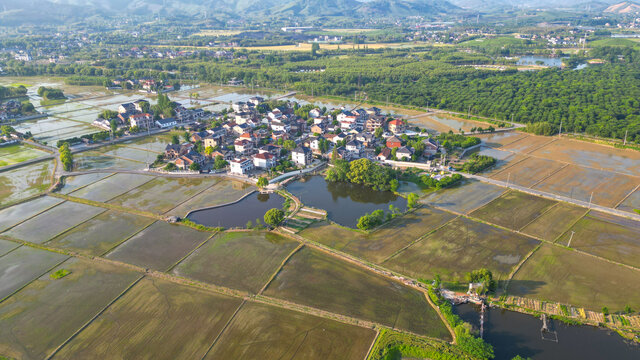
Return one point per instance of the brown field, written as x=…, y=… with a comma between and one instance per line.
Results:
x=500, y=139
x=159, y=246
x=527, y=144
x=261, y=331
x=578, y=183
x=501, y=164
x=592, y=155
x=44, y=314
x=461, y=246
x=528, y=172
x=312, y=278
x=608, y=236
x=385, y=241
x=554, y=222
x=154, y=320
x=513, y=210
x=556, y=274
x=238, y=260
x=464, y=198
x=631, y=203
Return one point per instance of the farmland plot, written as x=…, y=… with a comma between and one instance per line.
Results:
x=528, y=172
x=6, y=246
x=111, y=187
x=20, y=212
x=21, y=183
x=92, y=160
x=21, y=266
x=225, y=191
x=555, y=222
x=324, y=282
x=14, y=154
x=513, y=209
x=527, y=144
x=73, y=183
x=464, y=198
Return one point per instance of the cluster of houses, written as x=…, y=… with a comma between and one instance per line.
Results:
x=254, y=139
x=10, y=109
x=136, y=114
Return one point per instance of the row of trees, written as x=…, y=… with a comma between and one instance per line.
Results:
x=66, y=157
x=50, y=93
x=12, y=91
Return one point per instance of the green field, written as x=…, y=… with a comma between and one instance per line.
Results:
x=162, y=194
x=239, y=260
x=92, y=160
x=73, y=183
x=111, y=187
x=17, y=213
x=100, y=234
x=154, y=320
x=557, y=274
x=44, y=314
x=261, y=331
x=461, y=246
x=324, y=282
x=513, y=210
x=223, y=192
x=159, y=246
x=607, y=236
x=13, y=154
x=554, y=222
x=464, y=198
x=23, y=265
x=26, y=181
x=382, y=243
x=54, y=221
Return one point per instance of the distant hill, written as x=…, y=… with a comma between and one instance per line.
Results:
x=487, y=5
x=403, y=8
x=625, y=7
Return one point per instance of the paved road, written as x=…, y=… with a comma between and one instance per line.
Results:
x=552, y=196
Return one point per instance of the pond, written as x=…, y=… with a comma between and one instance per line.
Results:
x=345, y=203
x=237, y=215
x=536, y=60
x=512, y=333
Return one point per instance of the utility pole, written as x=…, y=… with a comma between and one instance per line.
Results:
x=625, y=137
x=560, y=132
x=590, y=198
x=571, y=238
x=508, y=178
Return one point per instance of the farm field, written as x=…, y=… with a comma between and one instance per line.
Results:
x=13, y=154
x=238, y=260
x=154, y=319
x=92, y=160
x=154, y=143
x=20, y=212
x=23, y=265
x=592, y=155
x=223, y=192
x=52, y=222
x=45, y=313
x=527, y=144
x=632, y=203
x=121, y=152
x=557, y=274
x=6, y=246
x=324, y=282
x=499, y=139
x=382, y=243
x=112, y=186
x=101, y=233
x=513, y=209
x=528, y=172
x=459, y=247
x=73, y=183
x=607, y=236
x=464, y=198
x=24, y=182
x=261, y=331
x=578, y=183
x=159, y=246
x=161, y=194
x=555, y=221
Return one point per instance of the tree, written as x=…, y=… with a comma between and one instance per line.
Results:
x=194, y=166
x=314, y=49
x=483, y=276
x=114, y=126
x=7, y=130
x=262, y=182
x=208, y=151
x=170, y=167
x=273, y=217
x=378, y=133
x=219, y=162
x=289, y=145
x=186, y=136
x=66, y=157
x=175, y=140
x=412, y=200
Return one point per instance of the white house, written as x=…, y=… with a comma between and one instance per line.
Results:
x=301, y=156
x=240, y=166
x=264, y=160
x=166, y=123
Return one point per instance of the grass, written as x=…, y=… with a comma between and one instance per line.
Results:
x=154, y=319
x=607, y=236
x=459, y=247
x=23, y=265
x=513, y=209
x=161, y=194
x=59, y=274
x=554, y=222
x=52, y=222
x=557, y=274
x=107, y=230
x=44, y=314
x=395, y=345
x=159, y=246
x=324, y=282
x=382, y=243
x=261, y=331
x=239, y=260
